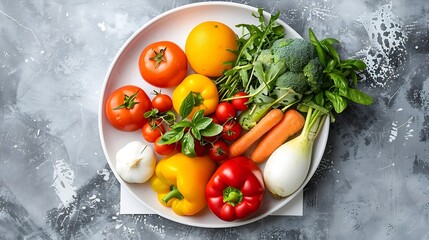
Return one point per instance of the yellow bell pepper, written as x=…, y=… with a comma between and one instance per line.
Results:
x=205, y=94
x=180, y=182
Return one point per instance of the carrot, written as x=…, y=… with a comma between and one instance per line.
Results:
x=290, y=125
x=240, y=146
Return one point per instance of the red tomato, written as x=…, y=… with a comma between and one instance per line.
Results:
x=231, y=131
x=219, y=151
x=200, y=149
x=224, y=111
x=240, y=102
x=152, y=130
x=213, y=117
x=162, y=102
x=163, y=64
x=126, y=106
x=163, y=149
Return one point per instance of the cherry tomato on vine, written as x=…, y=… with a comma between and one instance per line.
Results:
x=224, y=111
x=163, y=64
x=162, y=102
x=240, y=100
x=163, y=149
x=152, y=130
x=219, y=151
x=126, y=106
x=231, y=130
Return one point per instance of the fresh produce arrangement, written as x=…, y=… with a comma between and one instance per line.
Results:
x=240, y=124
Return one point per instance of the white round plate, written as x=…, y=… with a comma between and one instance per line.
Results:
x=175, y=26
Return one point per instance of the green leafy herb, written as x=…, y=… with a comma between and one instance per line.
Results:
x=277, y=72
x=318, y=46
x=187, y=105
x=341, y=76
x=188, y=131
x=336, y=89
x=211, y=130
x=172, y=136
x=188, y=145
x=191, y=100
x=181, y=124
x=358, y=96
x=254, y=39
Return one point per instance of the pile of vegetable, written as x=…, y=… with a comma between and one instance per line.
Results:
x=243, y=123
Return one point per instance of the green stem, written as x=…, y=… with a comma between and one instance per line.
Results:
x=174, y=193
x=267, y=28
x=322, y=121
x=129, y=101
x=313, y=123
x=232, y=196
x=239, y=97
x=307, y=121
x=290, y=105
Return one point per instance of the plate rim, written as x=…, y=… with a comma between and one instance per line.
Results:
x=103, y=97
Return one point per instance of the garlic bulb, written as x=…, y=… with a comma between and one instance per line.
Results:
x=135, y=162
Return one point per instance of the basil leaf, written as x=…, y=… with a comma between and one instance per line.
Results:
x=172, y=136
x=187, y=105
x=337, y=101
x=188, y=145
x=330, y=41
x=319, y=49
x=339, y=81
x=203, y=123
x=211, y=130
x=360, y=97
x=331, y=65
x=357, y=64
x=196, y=133
x=181, y=124
x=331, y=50
x=198, y=115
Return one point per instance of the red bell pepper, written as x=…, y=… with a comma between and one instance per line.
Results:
x=236, y=189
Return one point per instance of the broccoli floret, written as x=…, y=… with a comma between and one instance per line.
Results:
x=266, y=58
x=296, y=81
x=296, y=54
x=314, y=73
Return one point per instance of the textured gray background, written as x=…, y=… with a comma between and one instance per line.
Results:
x=55, y=183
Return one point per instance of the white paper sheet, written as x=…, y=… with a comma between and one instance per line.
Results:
x=130, y=205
